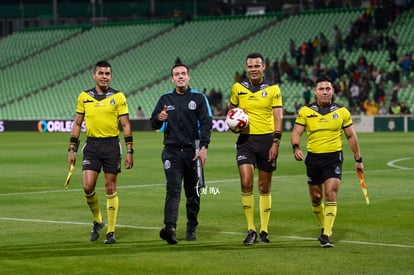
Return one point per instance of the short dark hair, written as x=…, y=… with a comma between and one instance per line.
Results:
x=102, y=63
x=323, y=78
x=255, y=55
x=179, y=65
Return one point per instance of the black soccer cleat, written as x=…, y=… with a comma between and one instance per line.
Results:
x=320, y=236
x=96, y=229
x=168, y=234
x=250, y=238
x=110, y=238
x=264, y=237
x=325, y=241
x=190, y=235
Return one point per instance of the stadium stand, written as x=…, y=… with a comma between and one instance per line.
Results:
x=21, y=45
x=47, y=84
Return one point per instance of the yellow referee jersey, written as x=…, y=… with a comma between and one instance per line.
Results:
x=102, y=112
x=324, y=127
x=258, y=102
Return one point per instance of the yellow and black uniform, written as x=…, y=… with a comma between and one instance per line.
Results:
x=257, y=101
x=255, y=141
x=102, y=148
x=324, y=127
x=102, y=112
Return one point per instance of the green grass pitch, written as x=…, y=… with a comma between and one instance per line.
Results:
x=44, y=229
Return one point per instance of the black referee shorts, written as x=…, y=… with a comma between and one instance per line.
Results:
x=254, y=149
x=320, y=167
x=103, y=153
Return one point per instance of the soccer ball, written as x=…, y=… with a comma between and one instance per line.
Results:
x=237, y=120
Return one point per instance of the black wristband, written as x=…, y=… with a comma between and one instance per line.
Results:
x=295, y=146
x=73, y=140
x=277, y=135
x=128, y=139
x=130, y=151
x=358, y=160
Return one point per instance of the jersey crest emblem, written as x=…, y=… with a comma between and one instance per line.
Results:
x=192, y=105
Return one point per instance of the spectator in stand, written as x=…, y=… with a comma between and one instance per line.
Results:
x=405, y=65
x=276, y=71
x=343, y=87
x=324, y=43
x=306, y=94
x=309, y=54
x=316, y=44
x=365, y=89
x=379, y=95
x=298, y=56
x=337, y=40
x=354, y=92
x=237, y=77
x=379, y=18
x=371, y=107
x=393, y=55
x=139, y=113
x=341, y=66
x=362, y=63
x=296, y=107
x=404, y=109
x=394, y=109
x=383, y=109
x=292, y=48
x=394, y=94
x=284, y=64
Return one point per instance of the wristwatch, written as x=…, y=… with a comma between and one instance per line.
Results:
x=130, y=151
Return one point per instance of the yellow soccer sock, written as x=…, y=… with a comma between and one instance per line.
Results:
x=112, y=203
x=265, y=206
x=92, y=201
x=330, y=214
x=248, y=207
x=318, y=210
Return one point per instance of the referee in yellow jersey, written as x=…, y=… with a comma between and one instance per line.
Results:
x=324, y=122
x=103, y=109
x=258, y=144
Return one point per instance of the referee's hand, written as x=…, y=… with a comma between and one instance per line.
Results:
x=298, y=154
x=129, y=161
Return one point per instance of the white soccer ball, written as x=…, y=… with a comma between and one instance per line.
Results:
x=237, y=119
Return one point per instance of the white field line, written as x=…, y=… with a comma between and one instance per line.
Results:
x=207, y=182
x=222, y=232
x=392, y=164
